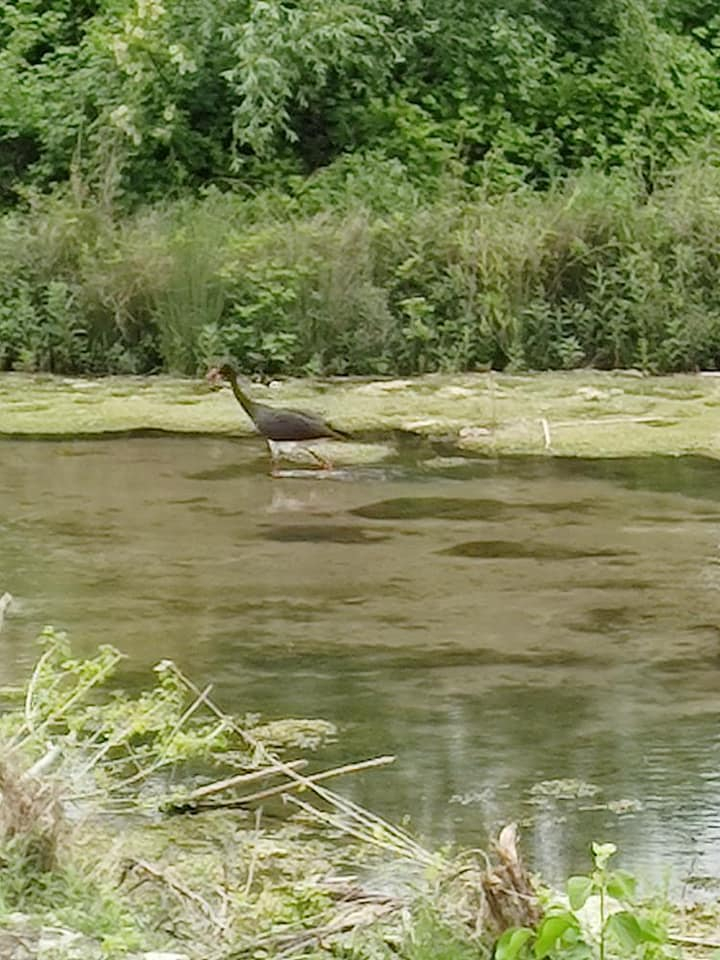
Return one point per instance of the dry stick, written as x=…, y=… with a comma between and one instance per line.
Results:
x=366, y=836
x=341, y=803
x=692, y=941
x=546, y=432
x=218, y=785
x=350, y=808
x=602, y=420
x=179, y=889
x=254, y=855
x=592, y=423
x=46, y=761
x=303, y=925
x=308, y=924
x=369, y=819
x=298, y=785
x=347, y=920
x=493, y=412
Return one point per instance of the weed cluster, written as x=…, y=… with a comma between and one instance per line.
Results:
x=591, y=272
x=599, y=919
x=78, y=763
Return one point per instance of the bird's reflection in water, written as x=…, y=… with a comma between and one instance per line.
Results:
x=293, y=497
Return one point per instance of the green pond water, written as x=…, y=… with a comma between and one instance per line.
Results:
x=498, y=626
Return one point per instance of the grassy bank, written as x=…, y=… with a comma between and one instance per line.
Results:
x=582, y=413
x=360, y=274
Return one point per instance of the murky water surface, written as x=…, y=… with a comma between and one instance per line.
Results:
x=497, y=626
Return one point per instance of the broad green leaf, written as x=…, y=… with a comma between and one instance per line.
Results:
x=575, y=948
x=621, y=885
x=511, y=942
x=551, y=930
x=625, y=927
x=578, y=890
x=631, y=930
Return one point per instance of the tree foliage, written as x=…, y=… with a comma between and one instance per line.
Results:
x=171, y=95
x=359, y=186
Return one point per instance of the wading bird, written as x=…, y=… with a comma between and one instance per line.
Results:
x=279, y=425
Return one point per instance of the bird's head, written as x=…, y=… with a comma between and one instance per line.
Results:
x=224, y=371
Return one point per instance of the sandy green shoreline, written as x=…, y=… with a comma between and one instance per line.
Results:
x=583, y=413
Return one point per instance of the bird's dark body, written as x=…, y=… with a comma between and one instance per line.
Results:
x=283, y=424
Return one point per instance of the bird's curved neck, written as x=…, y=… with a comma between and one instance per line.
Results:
x=242, y=398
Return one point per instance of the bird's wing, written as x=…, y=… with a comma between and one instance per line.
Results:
x=283, y=423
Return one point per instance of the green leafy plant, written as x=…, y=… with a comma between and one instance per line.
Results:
x=327, y=277
x=621, y=929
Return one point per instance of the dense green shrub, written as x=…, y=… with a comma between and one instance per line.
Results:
x=375, y=186
x=592, y=271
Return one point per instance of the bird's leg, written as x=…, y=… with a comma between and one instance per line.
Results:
x=323, y=461
x=274, y=457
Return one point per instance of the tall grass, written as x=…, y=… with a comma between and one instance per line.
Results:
x=592, y=271
x=190, y=302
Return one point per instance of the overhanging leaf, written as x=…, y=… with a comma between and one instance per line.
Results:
x=511, y=943
x=630, y=931
x=551, y=930
x=621, y=885
x=578, y=891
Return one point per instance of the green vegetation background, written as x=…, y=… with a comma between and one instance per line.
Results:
x=370, y=187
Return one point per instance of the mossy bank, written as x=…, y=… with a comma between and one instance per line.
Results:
x=584, y=413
